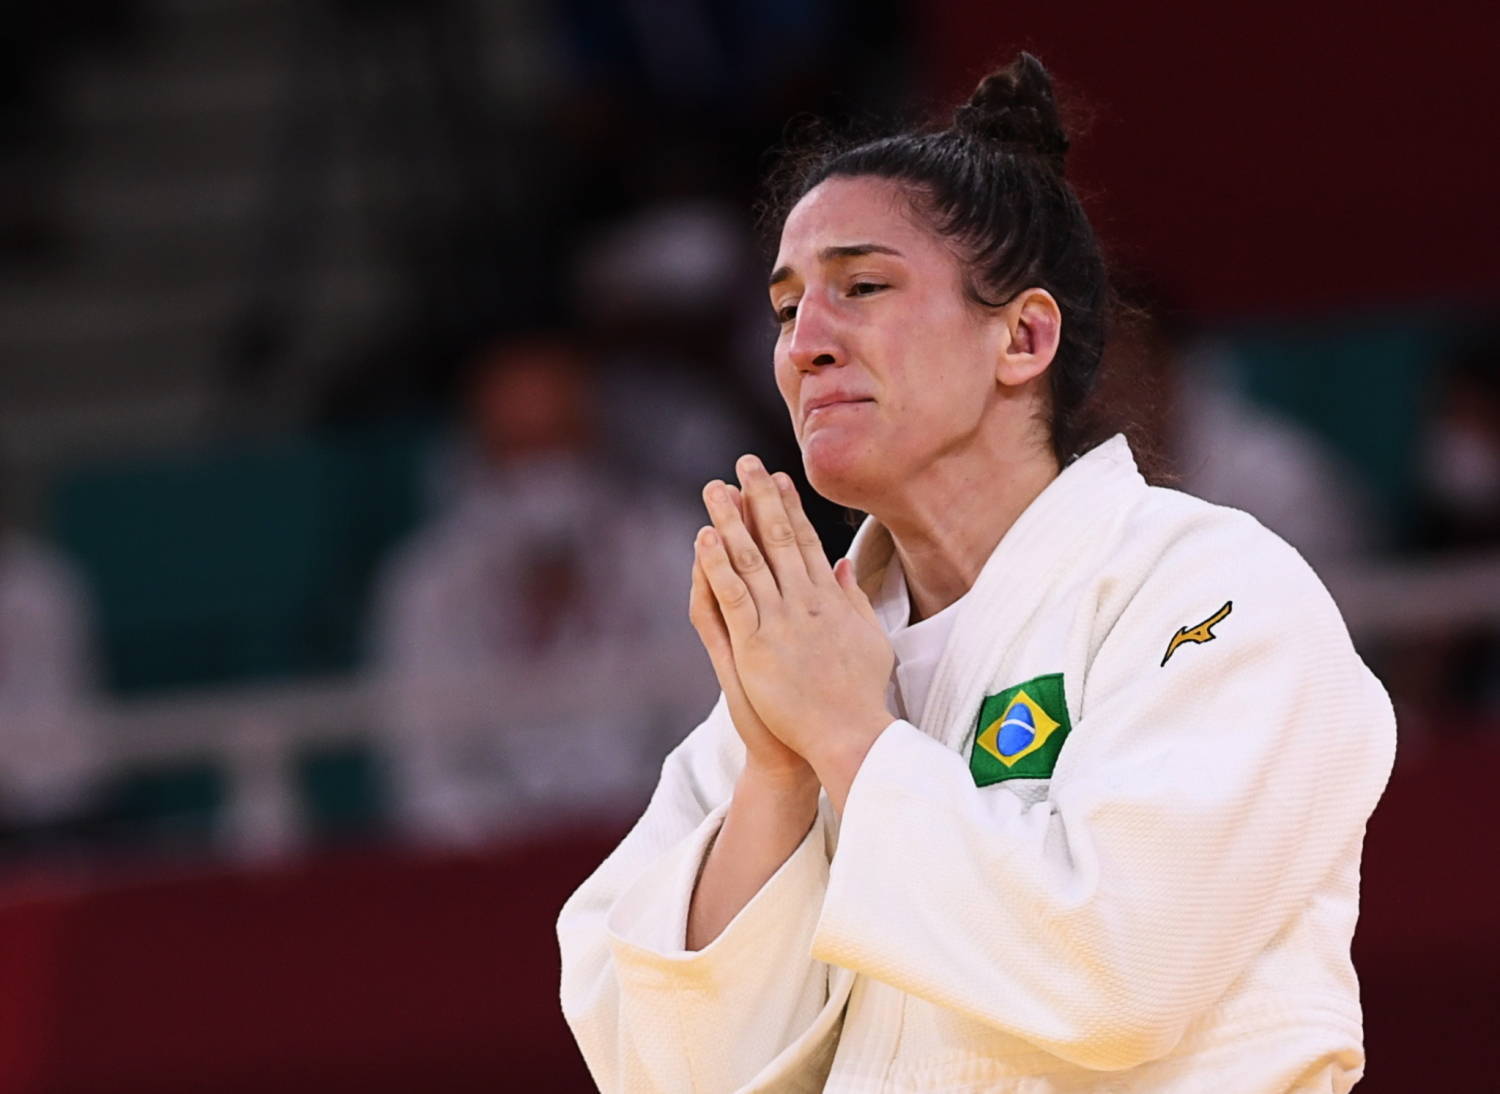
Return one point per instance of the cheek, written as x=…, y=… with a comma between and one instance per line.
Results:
x=947, y=392
x=788, y=382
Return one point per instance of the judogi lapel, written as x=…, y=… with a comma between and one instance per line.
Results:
x=1068, y=522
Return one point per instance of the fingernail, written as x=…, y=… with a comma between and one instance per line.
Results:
x=710, y=538
x=749, y=463
x=784, y=481
x=716, y=492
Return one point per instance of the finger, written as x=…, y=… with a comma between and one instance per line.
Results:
x=739, y=503
x=739, y=547
x=708, y=621
x=844, y=572
x=730, y=592
x=747, y=514
x=715, y=637
x=773, y=527
x=813, y=555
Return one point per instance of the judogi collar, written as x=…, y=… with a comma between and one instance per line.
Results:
x=1067, y=522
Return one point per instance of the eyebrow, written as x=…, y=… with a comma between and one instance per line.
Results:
x=833, y=254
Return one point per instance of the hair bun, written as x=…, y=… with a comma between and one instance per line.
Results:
x=1014, y=108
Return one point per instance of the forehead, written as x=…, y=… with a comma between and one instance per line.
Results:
x=851, y=210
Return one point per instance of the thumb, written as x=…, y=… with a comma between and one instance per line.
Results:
x=843, y=571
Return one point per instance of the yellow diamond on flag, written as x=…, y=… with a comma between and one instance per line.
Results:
x=1019, y=731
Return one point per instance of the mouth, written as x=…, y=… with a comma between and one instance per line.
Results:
x=826, y=404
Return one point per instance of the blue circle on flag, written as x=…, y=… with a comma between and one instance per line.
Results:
x=1017, y=730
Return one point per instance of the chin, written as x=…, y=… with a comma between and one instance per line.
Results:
x=846, y=470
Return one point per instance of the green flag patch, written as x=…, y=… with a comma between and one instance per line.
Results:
x=1020, y=732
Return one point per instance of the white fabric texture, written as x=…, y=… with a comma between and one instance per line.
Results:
x=1171, y=911
x=918, y=646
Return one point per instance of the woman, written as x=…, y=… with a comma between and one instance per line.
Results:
x=1100, y=828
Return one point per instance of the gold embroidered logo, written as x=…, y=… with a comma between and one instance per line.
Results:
x=1203, y=632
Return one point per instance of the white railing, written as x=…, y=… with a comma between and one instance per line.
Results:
x=1412, y=599
x=256, y=734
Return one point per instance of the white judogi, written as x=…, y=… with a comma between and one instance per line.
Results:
x=502, y=600
x=1170, y=912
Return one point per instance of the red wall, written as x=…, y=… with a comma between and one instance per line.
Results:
x=368, y=974
x=1290, y=158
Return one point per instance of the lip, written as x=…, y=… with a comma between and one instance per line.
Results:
x=831, y=399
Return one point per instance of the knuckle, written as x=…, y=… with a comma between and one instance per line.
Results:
x=747, y=559
x=780, y=533
x=736, y=595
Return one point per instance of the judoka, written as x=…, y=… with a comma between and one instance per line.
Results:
x=1058, y=782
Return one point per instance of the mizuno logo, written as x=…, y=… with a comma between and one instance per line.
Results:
x=1203, y=632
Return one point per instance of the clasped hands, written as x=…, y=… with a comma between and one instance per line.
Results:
x=794, y=642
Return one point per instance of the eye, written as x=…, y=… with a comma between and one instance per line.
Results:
x=786, y=313
x=865, y=288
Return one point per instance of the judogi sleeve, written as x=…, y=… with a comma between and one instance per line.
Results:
x=1194, y=808
x=650, y=1015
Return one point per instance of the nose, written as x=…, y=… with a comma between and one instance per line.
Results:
x=814, y=341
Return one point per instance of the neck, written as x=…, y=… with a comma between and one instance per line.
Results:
x=947, y=521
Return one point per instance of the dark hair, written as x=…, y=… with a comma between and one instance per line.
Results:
x=993, y=181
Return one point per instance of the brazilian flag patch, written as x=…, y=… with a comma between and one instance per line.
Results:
x=1020, y=732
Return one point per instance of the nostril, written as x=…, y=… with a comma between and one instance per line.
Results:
x=823, y=359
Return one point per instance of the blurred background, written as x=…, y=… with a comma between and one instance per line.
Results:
x=360, y=362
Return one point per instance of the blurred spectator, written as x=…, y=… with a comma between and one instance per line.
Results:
x=517, y=635
x=1446, y=673
x=47, y=681
x=1461, y=465
x=1220, y=446
x=664, y=294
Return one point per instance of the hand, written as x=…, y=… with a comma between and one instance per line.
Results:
x=765, y=755
x=811, y=656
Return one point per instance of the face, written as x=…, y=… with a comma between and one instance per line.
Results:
x=885, y=366
x=531, y=399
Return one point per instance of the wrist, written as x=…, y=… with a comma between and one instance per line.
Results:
x=785, y=786
x=845, y=738
x=773, y=802
x=839, y=758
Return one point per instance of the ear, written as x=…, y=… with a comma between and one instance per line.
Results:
x=1033, y=322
